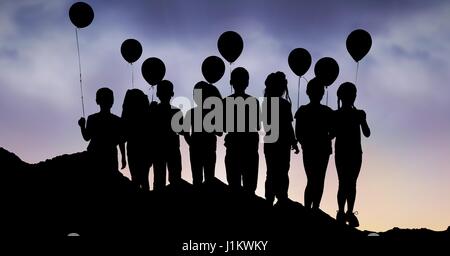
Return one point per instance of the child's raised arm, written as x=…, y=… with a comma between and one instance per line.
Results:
x=364, y=126
x=186, y=121
x=84, y=131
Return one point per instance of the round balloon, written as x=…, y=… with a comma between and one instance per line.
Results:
x=213, y=69
x=358, y=44
x=153, y=70
x=230, y=45
x=299, y=61
x=327, y=70
x=131, y=50
x=81, y=14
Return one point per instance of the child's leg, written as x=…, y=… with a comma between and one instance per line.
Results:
x=284, y=156
x=232, y=168
x=250, y=174
x=139, y=166
x=354, y=169
x=133, y=170
x=209, y=165
x=309, y=170
x=342, y=193
x=174, y=166
x=270, y=179
x=159, y=170
x=143, y=174
x=196, y=166
x=320, y=178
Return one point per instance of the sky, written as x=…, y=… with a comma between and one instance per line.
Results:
x=402, y=83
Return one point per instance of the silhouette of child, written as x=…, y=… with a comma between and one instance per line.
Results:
x=167, y=150
x=104, y=130
x=136, y=117
x=313, y=131
x=242, y=139
x=278, y=154
x=349, y=121
x=202, y=144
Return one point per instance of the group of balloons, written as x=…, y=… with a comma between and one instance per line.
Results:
x=153, y=70
x=230, y=46
x=326, y=69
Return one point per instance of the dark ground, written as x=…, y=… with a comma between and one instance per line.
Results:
x=72, y=194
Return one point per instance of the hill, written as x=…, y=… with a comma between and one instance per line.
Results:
x=72, y=194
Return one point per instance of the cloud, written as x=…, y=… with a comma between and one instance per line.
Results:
x=407, y=73
x=35, y=64
x=412, y=55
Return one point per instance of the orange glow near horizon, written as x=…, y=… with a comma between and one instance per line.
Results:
x=383, y=200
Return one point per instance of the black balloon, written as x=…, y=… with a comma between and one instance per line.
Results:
x=299, y=61
x=213, y=69
x=327, y=70
x=153, y=70
x=81, y=14
x=230, y=45
x=131, y=50
x=358, y=44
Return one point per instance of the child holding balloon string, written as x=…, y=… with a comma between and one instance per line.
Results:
x=104, y=131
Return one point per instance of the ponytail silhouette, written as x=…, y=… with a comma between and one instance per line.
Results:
x=346, y=89
x=348, y=124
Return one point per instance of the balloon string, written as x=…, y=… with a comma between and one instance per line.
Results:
x=326, y=89
x=79, y=69
x=305, y=79
x=152, y=91
x=231, y=86
x=132, y=75
x=298, y=92
x=356, y=75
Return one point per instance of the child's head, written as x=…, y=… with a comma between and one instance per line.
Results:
x=206, y=90
x=239, y=79
x=199, y=89
x=164, y=90
x=104, y=98
x=276, y=85
x=315, y=90
x=346, y=94
x=135, y=103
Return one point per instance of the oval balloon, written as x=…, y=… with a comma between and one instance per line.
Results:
x=153, y=70
x=213, y=69
x=358, y=44
x=230, y=45
x=327, y=70
x=81, y=14
x=131, y=50
x=299, y=61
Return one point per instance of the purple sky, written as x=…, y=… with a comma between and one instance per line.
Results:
x=402, y=83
